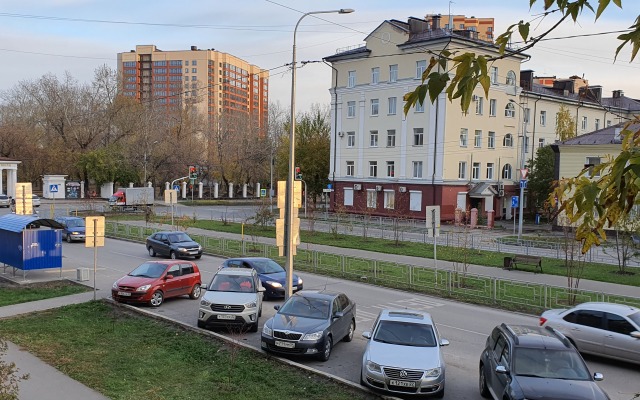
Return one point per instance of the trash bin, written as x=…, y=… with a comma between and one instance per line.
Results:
x=537, y=219
x=506, y=264
x=82, y=274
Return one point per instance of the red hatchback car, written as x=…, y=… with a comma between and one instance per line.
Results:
x=154, y=281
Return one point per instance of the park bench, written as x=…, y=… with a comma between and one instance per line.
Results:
x=512, y=262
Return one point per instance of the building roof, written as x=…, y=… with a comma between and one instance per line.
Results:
x=608, y=135
x=623, y=102
x=17, y=223
x=482, y=189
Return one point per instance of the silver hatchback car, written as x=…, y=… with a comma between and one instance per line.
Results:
x=604, y=329
x=403, y=354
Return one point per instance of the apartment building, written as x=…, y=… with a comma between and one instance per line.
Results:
x=484, y=27
x=215, y=82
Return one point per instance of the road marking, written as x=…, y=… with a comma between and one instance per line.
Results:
x=415, y=303
x=464, y=330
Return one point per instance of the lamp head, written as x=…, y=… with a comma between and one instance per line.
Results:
x=346, y=10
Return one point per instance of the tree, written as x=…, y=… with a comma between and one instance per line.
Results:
x=566, y=127
x=591, y=204
x=541, y=176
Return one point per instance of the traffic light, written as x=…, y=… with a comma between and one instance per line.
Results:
x=298, y=173
x=193, y=172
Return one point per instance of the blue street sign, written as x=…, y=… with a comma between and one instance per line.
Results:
x=176, y=188
x=329, y=186
x=514, y=201
x=523, y=183
x=53, y=188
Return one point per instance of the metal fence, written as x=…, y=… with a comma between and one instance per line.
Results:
x=506, y=293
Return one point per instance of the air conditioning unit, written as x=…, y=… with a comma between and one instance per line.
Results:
x=341, y=134
x=378, y=188
x=357, y=186
x=501, y=193
x=474, y=98
x=500, y=186
x=402, y=189
x=82, y=274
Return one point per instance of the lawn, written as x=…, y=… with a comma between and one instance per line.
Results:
x=127, y=356
x=15, y=294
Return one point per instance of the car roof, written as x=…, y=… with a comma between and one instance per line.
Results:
x=250, y=258
x=621, y=309
x=537, y=337
x=236, y=271
x=406, y=315
x=168, y=232
x=65, y=218
x=318, y=294
x=168, y=262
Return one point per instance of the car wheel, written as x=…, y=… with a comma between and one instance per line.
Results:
x=172, y=255
x=156, y=299
x=253, y=327
x=195, y=292
x=69, y=239
x=152, y=252
x=326, y=352
x=484, y=390
x=352, y=328
x=197, y=257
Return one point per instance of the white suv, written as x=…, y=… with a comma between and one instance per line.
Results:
x=232, y=300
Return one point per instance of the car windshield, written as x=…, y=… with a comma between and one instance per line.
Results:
x=267, y=266
x=179, y=237
x=405, y=334
x=232, y=283
x=635, y=317
x=549, y=364
x=307, y=307
x=149, y=270
x=75, y=223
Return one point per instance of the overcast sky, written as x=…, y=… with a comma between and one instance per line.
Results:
x=53, y=36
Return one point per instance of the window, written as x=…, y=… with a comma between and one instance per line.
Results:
x=479, y=105
x=527, y=114
x=526, y=144
x=597, y=123
x=510, y=111
x=389, y=199
x=618, y=324
x=463, y=137
x=489, y=171
x=508, y=140
x=419, y=107
x=372, y=197
x=477, y=139
x=352, y=79
x=462, y=170
x=493, y=105
x=506, y=171
x=391, y=169
x=375, y=107
x=421, y=66
x=393, y=73
x=592, y=162
x=391, y=138
x=418, y=136
x=351, y=139
x=417, y=169
x=351, y=109
x=475, y=171
x=393, y=101
x=348, y=196
x=350, y=168
x=543, y=118
x=375, y=75
x=608, y=123
x=186, y=62
x=589, y=318
x=373, y=169
x=584, y=123
x=194, y=70
x=415, y=200
x=511, y=78
x=540, y=142
x=491, y=140
x=494, y=75
x=373, y=142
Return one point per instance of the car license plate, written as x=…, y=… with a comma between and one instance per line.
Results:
x=294, y=288
x=394, y=382
x=124, y=294
x=288, y=345
x=224, y=316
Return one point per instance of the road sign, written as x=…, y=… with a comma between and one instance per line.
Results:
x=53, y=188
x=176, y=188
x=263, y=192
x=329, y=190
x=523, y=173
x=514, y=201
x=170, y=196
x=94, y=231
x=523, y=183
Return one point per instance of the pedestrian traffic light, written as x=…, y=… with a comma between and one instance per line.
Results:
x=193, y=172
x=298, y=173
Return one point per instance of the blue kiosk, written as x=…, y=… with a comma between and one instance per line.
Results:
x=26, y=246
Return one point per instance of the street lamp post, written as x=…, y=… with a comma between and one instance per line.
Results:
x=522, y=165
x=288, y=216
x=144, y=182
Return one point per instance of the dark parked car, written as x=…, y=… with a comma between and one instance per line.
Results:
x=309, y=323
x=271, y=274
x=73, y=228
x=530, y=362
x=154, y=281
x=173, y=245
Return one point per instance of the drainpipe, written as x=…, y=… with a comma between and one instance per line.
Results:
x=533, y=138
x=335, y=136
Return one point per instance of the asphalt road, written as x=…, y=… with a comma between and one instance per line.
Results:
x=466, y=326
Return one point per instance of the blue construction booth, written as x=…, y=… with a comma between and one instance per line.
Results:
x=27, y=246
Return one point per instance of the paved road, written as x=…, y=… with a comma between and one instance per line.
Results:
x=466, y=326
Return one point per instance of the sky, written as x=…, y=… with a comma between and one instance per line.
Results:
x=39, y=37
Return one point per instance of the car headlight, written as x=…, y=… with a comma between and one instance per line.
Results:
x=205, y=303
x=273, y=284
x=431, y=373
x=251, y=304
x=299, y=281
x=115, y=285
x=143, y=288
x=199, y=247
x=181, y=249
x=74, y=233
x=267, y=331
x=313, y=336
x=373, y=367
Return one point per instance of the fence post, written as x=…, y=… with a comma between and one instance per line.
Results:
x=343, y=264
x=495, y=290
x=545, y=297
x=244, y=251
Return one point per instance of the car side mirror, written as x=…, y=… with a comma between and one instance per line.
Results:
x=168, y=277
x=366, y=335
x=444, y=342
x=276, y=307
x=338, y=314
x=635, y=334
x=597, y=376
x=501, y=369
x=203, y=287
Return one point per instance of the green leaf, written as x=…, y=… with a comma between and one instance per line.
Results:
x=437, y=83
x=524, y=31
x=602, y=5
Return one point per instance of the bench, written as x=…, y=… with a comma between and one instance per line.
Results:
x=512, y=262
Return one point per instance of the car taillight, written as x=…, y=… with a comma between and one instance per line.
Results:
x=542, y=321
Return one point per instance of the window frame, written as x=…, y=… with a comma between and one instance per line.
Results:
x=375, y=107
x=462, y=170
x=418, y=136
x=375, y=75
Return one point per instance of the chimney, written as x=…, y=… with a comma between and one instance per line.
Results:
x=435, y=22
x=617, y=94
x=194, y=48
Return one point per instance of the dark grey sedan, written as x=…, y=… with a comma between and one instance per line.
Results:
x=173, y=245
x=310, y=323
